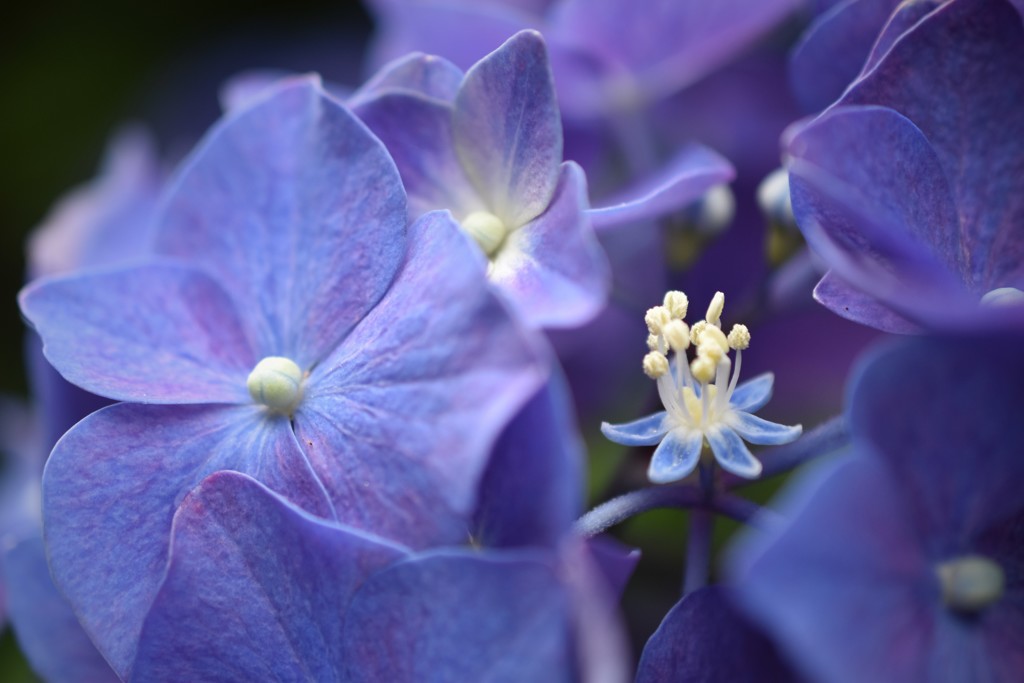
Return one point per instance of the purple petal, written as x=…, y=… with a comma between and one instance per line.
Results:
x=844, y=588
x=759, y=431
x=400, y=420
x=552, y=269
x=615, y=561
x=418, y=133
x=833, y=49
x=702, y=638
x=689, y=174
x=417, y=73
x=262, y=587
x=653, y=53
x=298, y=212
x=158, y=333
x=646, y=431
x=855, y=305
x=508, y=134
x=47, y=630
x=953, y=74
x=676, y=456
x=732, y=454
x=532, y=492
x=904, y=17
x=460, y=616
x=753, y=394
x=113, y=482
x=948, y=427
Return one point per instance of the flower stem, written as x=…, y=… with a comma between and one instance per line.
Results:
x=698, y=550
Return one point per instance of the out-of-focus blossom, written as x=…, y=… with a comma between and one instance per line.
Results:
x=903, y=560
x=282, y=257
x=909, y=187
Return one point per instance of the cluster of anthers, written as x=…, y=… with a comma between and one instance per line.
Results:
x=700, y=389
x=704, y=404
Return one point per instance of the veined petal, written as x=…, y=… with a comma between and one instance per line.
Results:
x=112, y=484
x=553, y=269
x=297, y=211
x=417, y=73
x=400, y=421
x=851, y=303
x=418, y=133
x=753, y=394
x=689, y=174
x=646, y=431
x=525, y=637
x=158, y=333
x=676, y=456
x=759, y=431
x=262, y=586
x=732, y=454
x=508, y=133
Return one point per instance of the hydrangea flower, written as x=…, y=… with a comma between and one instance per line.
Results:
x=491, y=153
x=289, y=317
x=703, y=402
x=907, y=189
x=902, y=561
x=344, y=605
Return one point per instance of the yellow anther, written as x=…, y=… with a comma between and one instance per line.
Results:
x=487, y=230
x=703, y=369
x=715, y=309
x=710, y=350
x=739, y=337
x=714, y=335
x=653, y=342
x=677, y=334
x=676, y=303
x=657, y=318
x=697, y=331
x=655, y=364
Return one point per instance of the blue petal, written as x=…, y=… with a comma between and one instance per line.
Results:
x=112, y=484
x=256, y=590
x=851, y=303
x=693, y=170
x=758, y=431
x=460, y=616
x=48, y=631
x=753, y=394
x=400, y=421
x=508, y=133
x=646, y=431
x=553, y=269
x=417, y=73
x=732, y=454
x=676, y=456
x=298, y=212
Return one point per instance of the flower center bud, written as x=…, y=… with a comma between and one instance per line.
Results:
x=488, y=230
x=970, y=583
x=276, y=383
x=1003, y=296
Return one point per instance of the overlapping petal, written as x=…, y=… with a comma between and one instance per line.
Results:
x=261, y=585
x=552, y=269
x=112, y=484
x=157, y=333
x=417, y=73
x=299, y=214
x=399, y=420
x=853, y=304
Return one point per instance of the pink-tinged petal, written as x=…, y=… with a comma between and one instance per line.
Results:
x=111, y=487
x=256, y=589
x=417, y=131
x=399, y=422
x=553, y=270
x=417, y=73
x=507, y=130
x=157, y=333
x=298, y=211
x=476, y=616
x=953, y=74
x=855, y=305
x=693, y=170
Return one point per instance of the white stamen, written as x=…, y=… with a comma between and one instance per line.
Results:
x=653, y=342
x=677, y=335
x=970, y=583
x=677, y=304
x=1003, y=296
x=656, y=319
x=714, y=335
x=739, y=337
x=276, y=383
x=697, y=331
x=703, y=369
x=715, y=309
x=655, y=364
x=487, y=230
